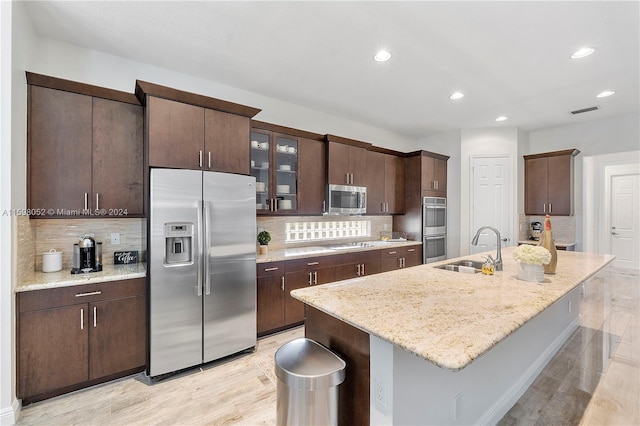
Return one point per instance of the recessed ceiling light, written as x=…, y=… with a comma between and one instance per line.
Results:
x=381, y=56
x=501, y=118
x=581, y=53
x=456, y=95
x=605, y=94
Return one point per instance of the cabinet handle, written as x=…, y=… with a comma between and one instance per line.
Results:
x=382, y=207
x=313, y=263
x=403, y=262
x=200, y=158
x=544, y=207
x=410, y=250
x=271, y=269
x=310, y=278
x=97, y=200
x=550, y=210
x=90, y=293
x=358, y=269
x=363, y=269
x=315, y=277
x=209, y=159
x=81, y=318
x=95, y=314
x=387, y=207
x=392, y=252
x=86, y=200
x=324, y=209
x=399, y=262
x=282, y=283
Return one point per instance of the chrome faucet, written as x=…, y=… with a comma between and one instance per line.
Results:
x=498, y=261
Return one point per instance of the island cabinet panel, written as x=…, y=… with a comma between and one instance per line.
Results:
x=347, y=164
x=72, y=337
x=548, y=182
x=352, y=345
x=176, y=134
x=270, y=304
x=85, y=152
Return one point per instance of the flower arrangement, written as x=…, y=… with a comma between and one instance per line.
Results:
x=533, y=255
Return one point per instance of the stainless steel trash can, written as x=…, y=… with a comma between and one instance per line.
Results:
x=308, y=378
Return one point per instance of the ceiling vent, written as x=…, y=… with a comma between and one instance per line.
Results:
x=580, y=111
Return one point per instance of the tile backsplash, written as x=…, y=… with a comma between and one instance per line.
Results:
x=563, y=227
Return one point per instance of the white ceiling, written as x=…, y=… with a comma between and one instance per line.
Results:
x=508, y=57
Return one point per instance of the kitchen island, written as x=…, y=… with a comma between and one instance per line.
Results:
x=430, y=346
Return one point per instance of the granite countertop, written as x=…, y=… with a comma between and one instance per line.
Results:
x=43, y=280
x=448, y=318
x=326, y=250
x=557, y=244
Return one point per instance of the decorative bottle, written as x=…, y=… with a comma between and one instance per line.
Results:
x=546, y=241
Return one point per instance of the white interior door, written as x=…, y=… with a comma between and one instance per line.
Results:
x=491, y=201
x=625, y=220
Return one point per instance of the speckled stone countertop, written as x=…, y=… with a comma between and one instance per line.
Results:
x=64, y=278
x=449, y=318
x=314, y=251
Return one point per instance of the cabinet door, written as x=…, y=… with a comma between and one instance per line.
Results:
x=338, y=163
x=53, y=349
x=394, y=184
x=358, y=165
x=59, y=149
x=285, y=172
x=118, y=156
x=440, y=174
x=413, y=256
x=226, y=142
x=371, y=262
x=535, y=191
x=117, y=336
x=293, y=308
x=376, y=182
x=261, y=168
x=311, y=176
x=270, y=310
x=559, y=194
x=390, y=259
x=176, y=134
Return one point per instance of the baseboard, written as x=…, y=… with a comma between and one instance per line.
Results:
x=493, y=415
x=9, y=415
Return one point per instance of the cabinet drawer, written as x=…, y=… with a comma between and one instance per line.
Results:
x=311, y=263
x=269, y=269
x=65, y=296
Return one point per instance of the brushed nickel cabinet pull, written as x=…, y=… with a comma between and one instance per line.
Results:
x=315, y=277
x=392, y=252
x=200, y=158
x=313, y=263
x=90, y=293
x=358, y=269
x=81, y=318
x=544, y=207
x=271, y=269
x=86, y=200
x=95, y=313
x=97, y=200
x=209, y=159
x=550, y=210
x=282, y=283
x=310, y=278
x=363, y=269
x=411, y=249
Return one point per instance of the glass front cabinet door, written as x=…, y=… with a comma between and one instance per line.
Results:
x=274, y=163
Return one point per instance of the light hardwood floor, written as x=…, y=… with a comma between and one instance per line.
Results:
x=593, y=380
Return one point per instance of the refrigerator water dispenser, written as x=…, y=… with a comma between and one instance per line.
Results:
x=178, y=239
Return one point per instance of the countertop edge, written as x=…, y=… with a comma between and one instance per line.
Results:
x=43, y=281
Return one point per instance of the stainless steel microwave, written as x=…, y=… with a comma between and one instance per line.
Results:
x=346, y=199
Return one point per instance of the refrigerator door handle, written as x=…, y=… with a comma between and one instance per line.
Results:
x=205, y=252
x=200, y=250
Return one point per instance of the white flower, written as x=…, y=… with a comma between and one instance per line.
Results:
x=536, y=255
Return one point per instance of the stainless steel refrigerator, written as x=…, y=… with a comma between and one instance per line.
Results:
x=202, y=267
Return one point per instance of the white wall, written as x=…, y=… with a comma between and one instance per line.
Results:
x=449, y=144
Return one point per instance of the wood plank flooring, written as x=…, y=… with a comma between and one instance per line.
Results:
x=593, y=380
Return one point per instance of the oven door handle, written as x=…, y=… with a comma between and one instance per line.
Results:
x=436, y=237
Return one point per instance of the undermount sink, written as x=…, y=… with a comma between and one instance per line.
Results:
x=464, y=266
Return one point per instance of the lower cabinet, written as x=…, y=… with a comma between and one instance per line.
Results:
x=358, y=265
x=400, y=257
x=270, y=305
x=72, y=337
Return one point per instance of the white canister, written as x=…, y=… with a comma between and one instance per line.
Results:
x=52, y=261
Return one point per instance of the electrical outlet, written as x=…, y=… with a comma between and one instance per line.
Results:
x=457, y=406
x=380, y=393
x=115, y=238
x=386, y=226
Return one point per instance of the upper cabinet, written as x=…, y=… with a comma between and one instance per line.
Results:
x=190, y=131
x=385, y=183
x=548, y=180
x=288, y=165
x=434, y=176
x=85, y=150
x=347, y=161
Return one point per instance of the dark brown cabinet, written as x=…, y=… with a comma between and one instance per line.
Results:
x=289, y=167
x=190, y=131
x=434, y=177
x=85, y=150
x=347, y=163
x=400, y=257
x=270, y=304
x=548, y=180
x=355, y=265
x=72, y=337
x=385, y=184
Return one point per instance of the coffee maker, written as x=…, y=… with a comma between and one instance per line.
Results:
x=536, y=231
x=87, y=256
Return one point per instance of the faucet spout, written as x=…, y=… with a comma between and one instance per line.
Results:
x=474, y=241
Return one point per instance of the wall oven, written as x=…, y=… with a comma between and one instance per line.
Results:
x=434, y=229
